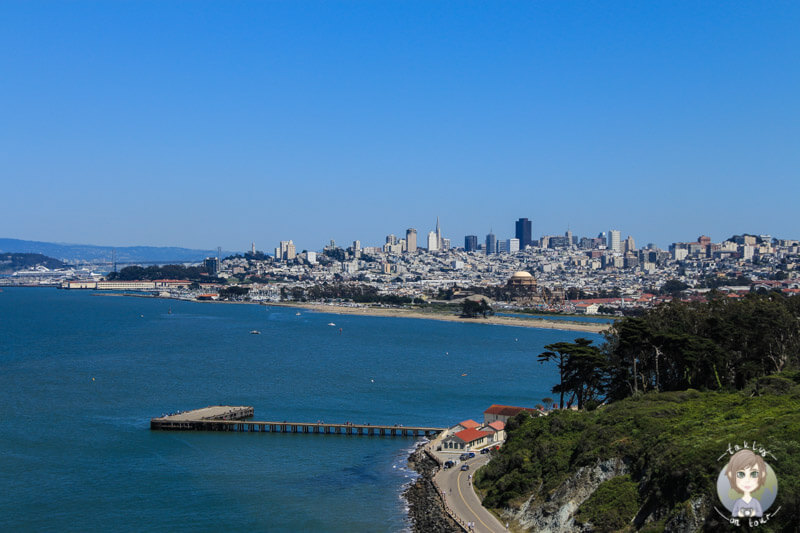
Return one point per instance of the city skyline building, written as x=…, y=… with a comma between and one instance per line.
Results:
x=433, y=242
x=523, y=232
x=614, y=243
x=285, y=251
x=491, y=243
x=411, y=240
x=471, y=243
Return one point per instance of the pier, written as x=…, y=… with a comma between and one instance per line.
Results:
x=230, y=418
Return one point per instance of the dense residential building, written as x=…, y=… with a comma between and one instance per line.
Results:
x=285, y=251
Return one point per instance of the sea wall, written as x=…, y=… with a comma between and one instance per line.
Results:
x=426, y=509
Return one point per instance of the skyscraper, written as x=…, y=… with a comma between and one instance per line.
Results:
x=438, y=235
x=471, y=243
x=614, y=243
x=491, y=243
x=433, y=243
x=411, y=240
x=523, y=233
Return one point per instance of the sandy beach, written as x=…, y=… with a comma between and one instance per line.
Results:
x=589, y=327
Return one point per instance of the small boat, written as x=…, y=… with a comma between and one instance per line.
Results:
x=297, y=313
x=331, y=324
x=255, y=332
x=169, y=312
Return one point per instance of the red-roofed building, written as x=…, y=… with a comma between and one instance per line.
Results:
x=468, y=424
x=467, y=439
x=498, y=430
x=504, y=412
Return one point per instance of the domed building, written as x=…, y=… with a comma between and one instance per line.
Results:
x=522, y=279
x=522, y=288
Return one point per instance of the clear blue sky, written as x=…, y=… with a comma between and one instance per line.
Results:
x=220, y=123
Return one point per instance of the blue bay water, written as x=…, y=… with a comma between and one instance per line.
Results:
x=78, y=455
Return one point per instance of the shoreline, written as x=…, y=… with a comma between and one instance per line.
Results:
x=426, y=513
x=588, y=327
x=385, y=312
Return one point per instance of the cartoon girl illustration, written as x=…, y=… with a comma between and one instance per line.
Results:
x=746, y=472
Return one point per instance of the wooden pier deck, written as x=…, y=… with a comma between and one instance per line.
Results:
x=227, y=418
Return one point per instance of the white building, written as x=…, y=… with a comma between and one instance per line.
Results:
x=433, y=241
x=614, y=243
x=512, y=245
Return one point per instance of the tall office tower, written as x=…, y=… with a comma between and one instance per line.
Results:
x=471, y=243
x=491, y=243
x=613, y=241
x=502, y=246
x=445, y=243
x=512, y=245
x=438, y=235
x=523, y=233
x=391, y=239
x=212, y=265
x=356, y=246
x=253, y=248
x=433, y=244
x=568, y=235
x=630, y=244
x=411, y=240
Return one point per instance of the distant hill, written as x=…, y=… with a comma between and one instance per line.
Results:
x=12, y=262
x=87, y=253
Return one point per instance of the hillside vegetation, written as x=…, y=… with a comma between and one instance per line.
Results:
x=681, y=383
x=12, y=262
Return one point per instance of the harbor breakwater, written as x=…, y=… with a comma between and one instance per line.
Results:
x=426, y=510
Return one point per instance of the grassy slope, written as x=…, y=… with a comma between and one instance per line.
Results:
x=671, y=442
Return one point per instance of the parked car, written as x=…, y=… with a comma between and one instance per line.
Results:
x=448, y=464
x=471, y=455
x=465, y=456
x=465, y=467
x=485, y=451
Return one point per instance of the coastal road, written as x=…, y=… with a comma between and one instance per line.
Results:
x=462, y=499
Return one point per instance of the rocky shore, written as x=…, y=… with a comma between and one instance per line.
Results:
x=426, y=511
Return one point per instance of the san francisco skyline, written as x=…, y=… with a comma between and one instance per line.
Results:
x=212, y=124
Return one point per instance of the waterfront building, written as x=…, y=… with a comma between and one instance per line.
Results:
x=491, y=243
x=523, y=232
x=411, y=240
x=471, y=243
x=466, y=440
x=614, y=241
x=504, y=412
